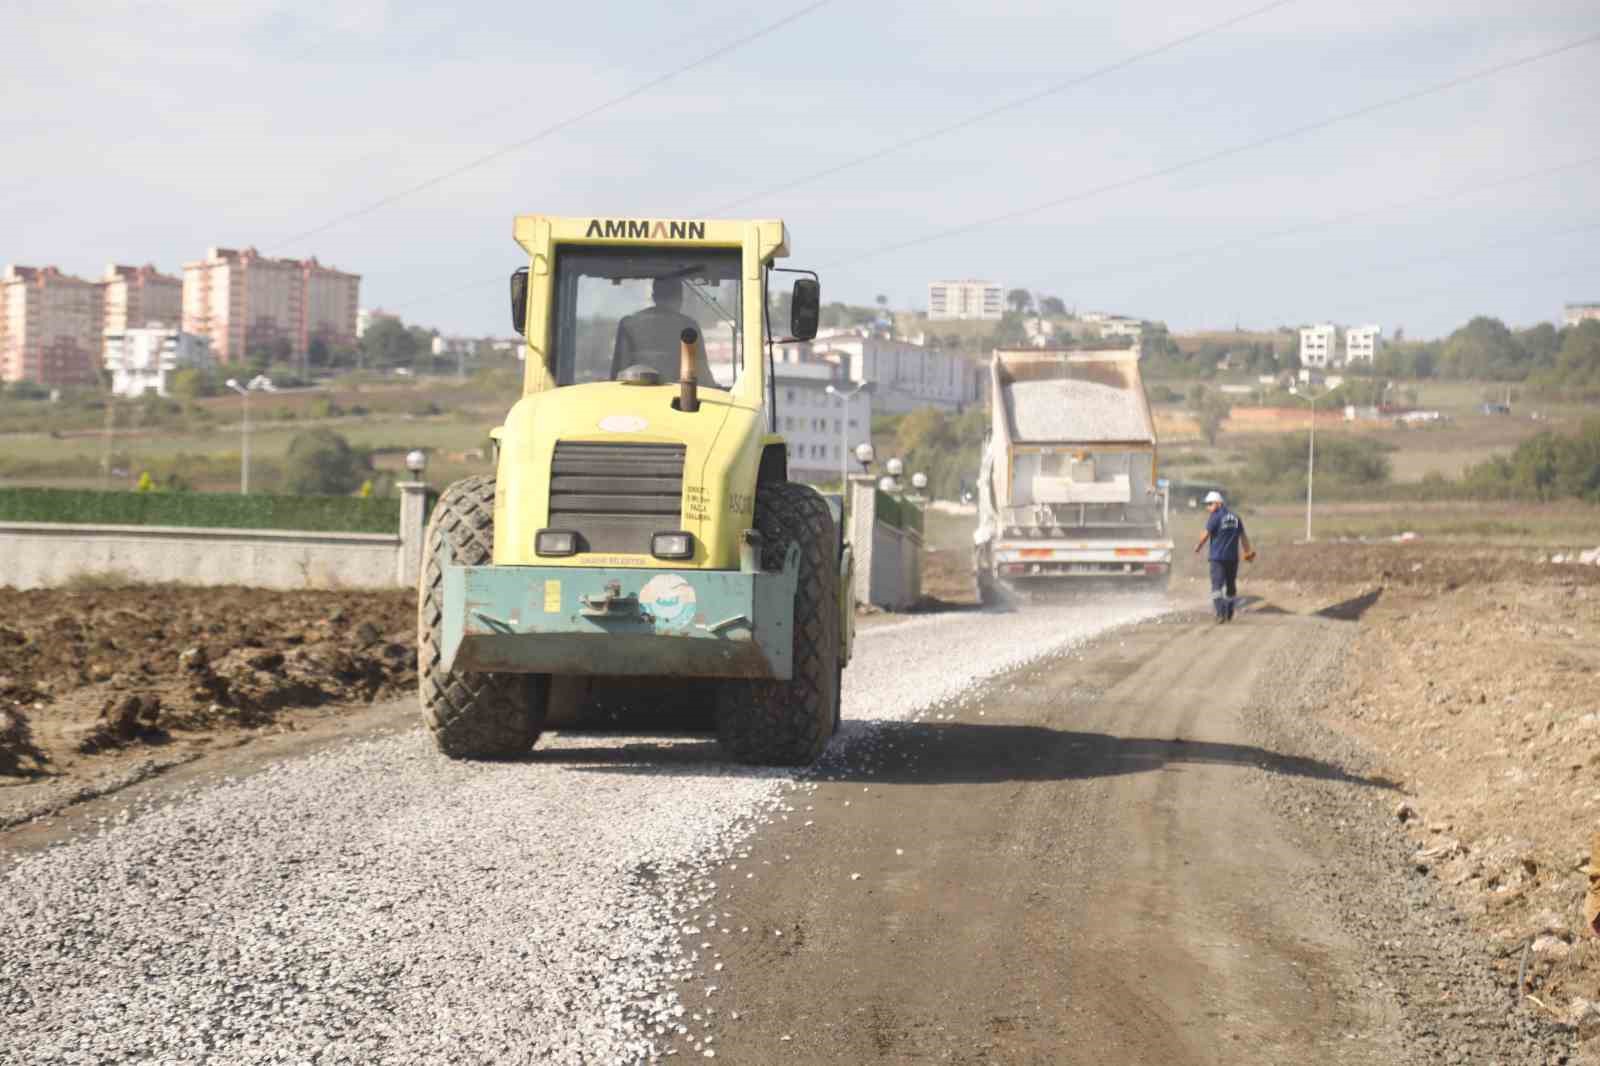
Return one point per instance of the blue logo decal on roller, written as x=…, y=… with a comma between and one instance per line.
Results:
x=670, y=600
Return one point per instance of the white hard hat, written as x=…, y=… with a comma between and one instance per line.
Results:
x=1213, y=496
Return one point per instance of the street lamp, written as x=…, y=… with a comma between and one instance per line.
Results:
x=416, y=462
x=259, y=383
x=1311, y=450
x=866, y=454
x=845, y=396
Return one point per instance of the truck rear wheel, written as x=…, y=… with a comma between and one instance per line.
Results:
x=788, y=723
x=471, y=715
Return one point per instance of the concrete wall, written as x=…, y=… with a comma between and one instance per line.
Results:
x=40, y=554
x=888, y=559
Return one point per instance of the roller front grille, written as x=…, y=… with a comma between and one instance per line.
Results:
x=614, y=496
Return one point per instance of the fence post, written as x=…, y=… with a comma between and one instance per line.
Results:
x=413, y=523
x=863, y=518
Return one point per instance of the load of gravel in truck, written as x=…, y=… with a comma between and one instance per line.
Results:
x=1078, y=411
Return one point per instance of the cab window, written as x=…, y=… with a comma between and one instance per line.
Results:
x=617, y=308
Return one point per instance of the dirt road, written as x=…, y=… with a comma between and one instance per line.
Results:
x=1053, y=835
x=1078, y=868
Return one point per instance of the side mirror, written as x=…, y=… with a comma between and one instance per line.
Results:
x=805, y=308
x=519, y=302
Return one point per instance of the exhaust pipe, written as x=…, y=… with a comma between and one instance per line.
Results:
x=688, y=387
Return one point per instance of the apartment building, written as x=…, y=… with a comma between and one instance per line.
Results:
x=821, y=428
x=137, y=296
x=330, y=305
x=50, y=326
x=1573, y=314
x=1120, y=326
x=1361, y=344
x=965, y=299
x=905, y=375
x=143, y=360
x=246, y=302
x=1319, y=346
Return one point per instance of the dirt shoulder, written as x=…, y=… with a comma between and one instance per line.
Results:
x=100, y=687
x=1474, y=679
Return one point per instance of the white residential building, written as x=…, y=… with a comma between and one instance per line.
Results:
x=820, y=427
x=965, y=299
x=905, y=375
x=1118, y=326
x=1576, y=313
x=1361, y=344
x=143, y=360
x=452, y=347
x=1319, y=346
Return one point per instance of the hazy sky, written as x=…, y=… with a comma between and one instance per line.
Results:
x=145, y=132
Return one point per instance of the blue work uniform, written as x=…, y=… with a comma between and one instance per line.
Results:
x=1225, y=530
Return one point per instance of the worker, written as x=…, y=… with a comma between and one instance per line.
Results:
x=651, y=336
x=1225, y=532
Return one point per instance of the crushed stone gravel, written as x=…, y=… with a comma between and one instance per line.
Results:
x=1078, y=411
x=376, y=903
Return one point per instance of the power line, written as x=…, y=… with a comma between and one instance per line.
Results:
x=557, y=127
x=467, y=122
x=999, y=109
x=1211, y=157
x=1167, y=258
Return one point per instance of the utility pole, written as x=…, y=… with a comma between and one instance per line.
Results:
x=1311, y=464
x=244, y=452
x=1311, y=451
x=105, y=451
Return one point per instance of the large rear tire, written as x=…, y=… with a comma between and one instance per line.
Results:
x=788, y=723
x=471, y=716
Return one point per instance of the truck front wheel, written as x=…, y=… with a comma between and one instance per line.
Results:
x=471, y=715
x=788, y=723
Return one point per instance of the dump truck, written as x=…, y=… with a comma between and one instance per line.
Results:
x=640, y=523
x=1068, y=489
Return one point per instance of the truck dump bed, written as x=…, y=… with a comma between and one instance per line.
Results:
x=1072, y=397
x=1091, y=397
x=1068, y=485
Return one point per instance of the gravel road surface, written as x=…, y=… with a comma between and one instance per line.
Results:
x=374, y=903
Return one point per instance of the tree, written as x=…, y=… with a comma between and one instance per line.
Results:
x=1577, y=363
x=1483, y=348
x=1052, y=305
x=1540, y=345
x=1019, y=300
x=191, y=384
x=1210, y=410
x=322, y=463
x=946, y=447
x=388, y=343
x=882, y=300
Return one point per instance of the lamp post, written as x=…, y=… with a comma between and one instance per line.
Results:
x=845, y=396
x=895, y=467
x=259, y=383
x=1311, y=451
x=866, y=455
x=416, y=462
